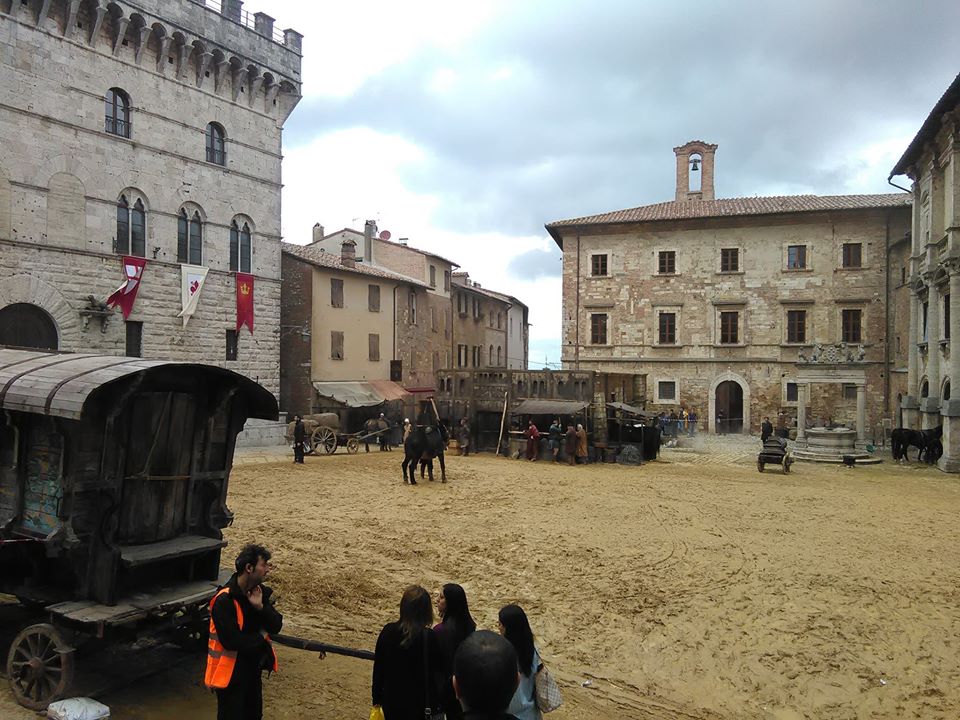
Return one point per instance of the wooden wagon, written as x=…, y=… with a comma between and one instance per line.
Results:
x=113, y=485
x=774, y=452
x=322, y=434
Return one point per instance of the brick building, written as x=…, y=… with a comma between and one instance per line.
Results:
x=150, y=129
x=715, y=300
x=932, y=162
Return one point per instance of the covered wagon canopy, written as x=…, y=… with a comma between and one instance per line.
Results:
x=63, y=384
x=361, y=394
x=549, y=407
x=623, y=407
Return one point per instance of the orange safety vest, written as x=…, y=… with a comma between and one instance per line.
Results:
x=220, y=661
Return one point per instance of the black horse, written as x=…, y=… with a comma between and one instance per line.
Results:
x=928, y=443
x=422, y=445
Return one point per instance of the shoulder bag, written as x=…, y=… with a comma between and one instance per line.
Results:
x=429, y=712
x=547, y=692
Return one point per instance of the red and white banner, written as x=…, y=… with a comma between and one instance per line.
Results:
x=244, y=301
x=192, y=278
x=126, y=294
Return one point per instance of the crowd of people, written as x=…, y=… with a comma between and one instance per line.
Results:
x=448, y=667
x=676, y=424
x=573, y=442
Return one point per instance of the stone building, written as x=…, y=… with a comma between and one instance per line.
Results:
x=423, y=312
x=932, y=162
x=340, y=321
x=149, y=129
x=716, y=300
x=480, y=325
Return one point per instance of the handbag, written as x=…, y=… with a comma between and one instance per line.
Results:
x=429, y=712
x=547, y=692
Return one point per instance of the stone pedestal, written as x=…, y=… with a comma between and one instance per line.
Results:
x=950, y=415
x=910, y=409
x=929, y=412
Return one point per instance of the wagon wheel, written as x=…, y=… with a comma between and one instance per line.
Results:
x=353, y=446
x=325, y=439
x=760, y=465
x=39, y=666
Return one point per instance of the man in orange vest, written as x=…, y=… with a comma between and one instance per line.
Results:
x=239, y=649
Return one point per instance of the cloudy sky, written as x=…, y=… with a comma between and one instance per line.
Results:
x=465, y=126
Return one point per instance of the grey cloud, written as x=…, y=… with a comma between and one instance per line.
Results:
x=601, y=92
x=535, y=264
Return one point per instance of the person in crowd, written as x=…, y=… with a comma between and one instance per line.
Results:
x=463, y=437
x=402, y=677
x=532, y=434
x=239, y=648
x=581, y=444
x=407, y=428
x=383, y=438
x=485, y=676
x=298, y=437
x=456, y=626
x=672, y=423
x=766, y=429
x=692, y=422
x=570, y=445
x=515, y=627
x=555, y=437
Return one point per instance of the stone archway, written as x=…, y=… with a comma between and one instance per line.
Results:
x=733, y=393
x=28, y=326
x=31, y=290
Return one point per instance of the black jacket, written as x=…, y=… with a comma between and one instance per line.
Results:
x=398, y=678
x=298, y=431
x=252, y=649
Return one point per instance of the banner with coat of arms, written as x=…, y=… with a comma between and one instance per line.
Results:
x=244, y=301
x=126, y=295
x=192, y=278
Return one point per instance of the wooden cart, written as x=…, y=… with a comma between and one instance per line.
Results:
x=113, y=486
x=774, y=452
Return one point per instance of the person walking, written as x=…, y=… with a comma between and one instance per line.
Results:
x=692, y=423
x=456, y=625
x=463, y=437
x=382, y=439
x=407, y=675
x=485, y=676
x=532, y=434
x=672, y=423
x=239, y=649
x=570, y=445
x=515, y=627
x=555, y=437
x=298, y=436
x=766, y=429
x=581, y=444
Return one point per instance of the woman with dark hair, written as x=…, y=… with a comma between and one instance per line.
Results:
x=456, y=626
x=405, y=681
x=515, y=627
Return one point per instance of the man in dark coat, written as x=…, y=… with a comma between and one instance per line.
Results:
x=485, y=676
x=766, y=429
x=298, y=435
x=242, y=699
x=570, y=445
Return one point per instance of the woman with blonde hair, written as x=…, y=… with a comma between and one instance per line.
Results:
x=407, y=665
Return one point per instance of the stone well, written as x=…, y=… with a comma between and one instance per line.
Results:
x=831, y=445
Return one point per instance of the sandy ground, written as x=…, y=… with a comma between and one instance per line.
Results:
x=693, y=587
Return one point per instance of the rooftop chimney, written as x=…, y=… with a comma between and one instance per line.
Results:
x=369, y=233
x=317, y=233
x=696, y=156
x=348, y=253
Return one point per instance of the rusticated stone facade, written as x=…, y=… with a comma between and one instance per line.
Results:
x=714, y=299
x=173, y=68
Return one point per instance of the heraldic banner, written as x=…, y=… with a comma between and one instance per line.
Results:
x=126, y=294
x=244, y=301
x=192, y=278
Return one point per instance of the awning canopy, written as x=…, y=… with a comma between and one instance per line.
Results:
x=549, y=407
x=361, y=394
x=630, y=409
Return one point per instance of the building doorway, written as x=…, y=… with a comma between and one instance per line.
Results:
x=27, y=326
x=729, y=407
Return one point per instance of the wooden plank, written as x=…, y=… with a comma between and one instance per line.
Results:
x=136, y=555
x=167, y=598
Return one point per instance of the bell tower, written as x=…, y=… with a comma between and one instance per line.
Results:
x=695, y=163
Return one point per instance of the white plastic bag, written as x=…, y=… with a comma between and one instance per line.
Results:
x=77, y=709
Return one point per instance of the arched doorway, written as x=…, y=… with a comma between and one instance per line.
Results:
x=729, y=407
x=28, y=326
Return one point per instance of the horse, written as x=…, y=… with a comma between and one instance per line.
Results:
x=421, y=446
x=372, y=426
x=926, y=441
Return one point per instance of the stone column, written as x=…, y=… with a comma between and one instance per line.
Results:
x=950, y=409
x=930, y=405
x=908, y=403
x=861, y=415
x=802, y=414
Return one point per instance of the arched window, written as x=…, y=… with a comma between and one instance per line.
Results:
x=240, y=247
x=131, y=227
x=499, y=356
x=117, y=108
x=216, y=150
x=491, y=355
x=190, y=238
x=925, y=389
x=945, y=393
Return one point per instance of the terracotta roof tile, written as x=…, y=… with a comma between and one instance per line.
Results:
x=728, y=207
x=316, y=256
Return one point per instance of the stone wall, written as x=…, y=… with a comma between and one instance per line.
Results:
x=296, y=369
